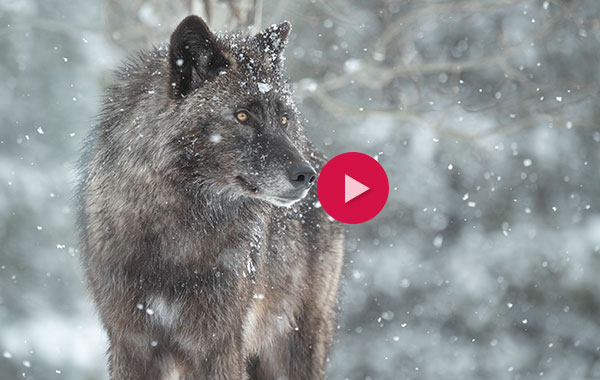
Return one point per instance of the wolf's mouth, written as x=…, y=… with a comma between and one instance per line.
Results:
x=246, y=185
x=284, y=201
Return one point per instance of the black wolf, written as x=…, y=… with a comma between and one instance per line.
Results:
x=202, y=245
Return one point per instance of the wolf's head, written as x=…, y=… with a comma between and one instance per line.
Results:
x=241, y=132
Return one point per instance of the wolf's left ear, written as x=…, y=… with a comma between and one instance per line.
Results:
x=194, y=56
x=273, y=39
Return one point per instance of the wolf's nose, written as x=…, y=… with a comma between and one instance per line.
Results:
x=302, y=175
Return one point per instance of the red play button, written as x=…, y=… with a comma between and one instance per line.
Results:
x=353, y=187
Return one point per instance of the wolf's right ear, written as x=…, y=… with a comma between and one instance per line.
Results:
x=194, y=56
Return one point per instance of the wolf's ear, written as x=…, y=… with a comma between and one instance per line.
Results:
x=194, y=56
x=273, y=39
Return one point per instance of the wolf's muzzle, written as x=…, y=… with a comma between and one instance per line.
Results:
x=301, y=175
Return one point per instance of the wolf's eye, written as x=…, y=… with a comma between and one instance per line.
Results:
x=241, y=116
x=284, y=120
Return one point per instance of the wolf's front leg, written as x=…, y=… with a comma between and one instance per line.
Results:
x=309, y=345
x=219, y=362
x=191, y=329
x=299, y=355
x=214, y=356
x=208, y=332
x=221, y=359
x=128, y=361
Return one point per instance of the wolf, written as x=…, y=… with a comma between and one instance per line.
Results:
x=203, y=243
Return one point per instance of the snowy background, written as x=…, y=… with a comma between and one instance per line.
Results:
x=485, y=263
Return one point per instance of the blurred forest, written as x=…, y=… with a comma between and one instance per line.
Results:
x=485, y=114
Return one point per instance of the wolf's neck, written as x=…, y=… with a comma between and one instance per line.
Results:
x=212, y=213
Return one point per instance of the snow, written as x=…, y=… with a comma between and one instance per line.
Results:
x=352, y=65
x=148, y=15
x=215, y=138
x=264, y=87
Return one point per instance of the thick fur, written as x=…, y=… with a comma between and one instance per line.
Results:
x=203, y=260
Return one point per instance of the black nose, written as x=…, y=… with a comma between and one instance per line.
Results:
x=302, y=175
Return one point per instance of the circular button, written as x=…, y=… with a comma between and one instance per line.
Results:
x=353, y=187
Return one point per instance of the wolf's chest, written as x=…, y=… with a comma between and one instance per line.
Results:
x=280, y=282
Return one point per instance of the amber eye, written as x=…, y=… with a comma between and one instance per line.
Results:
x=284, y=120
x=241, y=116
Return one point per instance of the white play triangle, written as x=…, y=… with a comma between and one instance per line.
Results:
x=352, y=188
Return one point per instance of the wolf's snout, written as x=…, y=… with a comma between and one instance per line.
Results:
x=302, y=176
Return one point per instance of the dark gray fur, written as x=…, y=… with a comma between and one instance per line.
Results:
x=202, y=259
